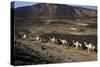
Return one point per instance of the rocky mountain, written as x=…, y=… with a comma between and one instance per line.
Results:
x=54, y=11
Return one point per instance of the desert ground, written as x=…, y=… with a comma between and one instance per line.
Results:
x=30, y=51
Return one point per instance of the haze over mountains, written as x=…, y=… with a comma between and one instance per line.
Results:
x=54, y=11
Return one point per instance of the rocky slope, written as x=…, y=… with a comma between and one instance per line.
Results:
x=54, y=11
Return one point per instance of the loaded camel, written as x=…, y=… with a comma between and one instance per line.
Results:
x=53, y=40
x=64, y=42
x=90, y=47
x=77, y=44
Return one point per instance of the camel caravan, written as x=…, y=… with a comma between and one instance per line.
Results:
x=90, y=47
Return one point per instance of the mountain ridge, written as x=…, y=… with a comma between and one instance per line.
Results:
x=52, y=11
